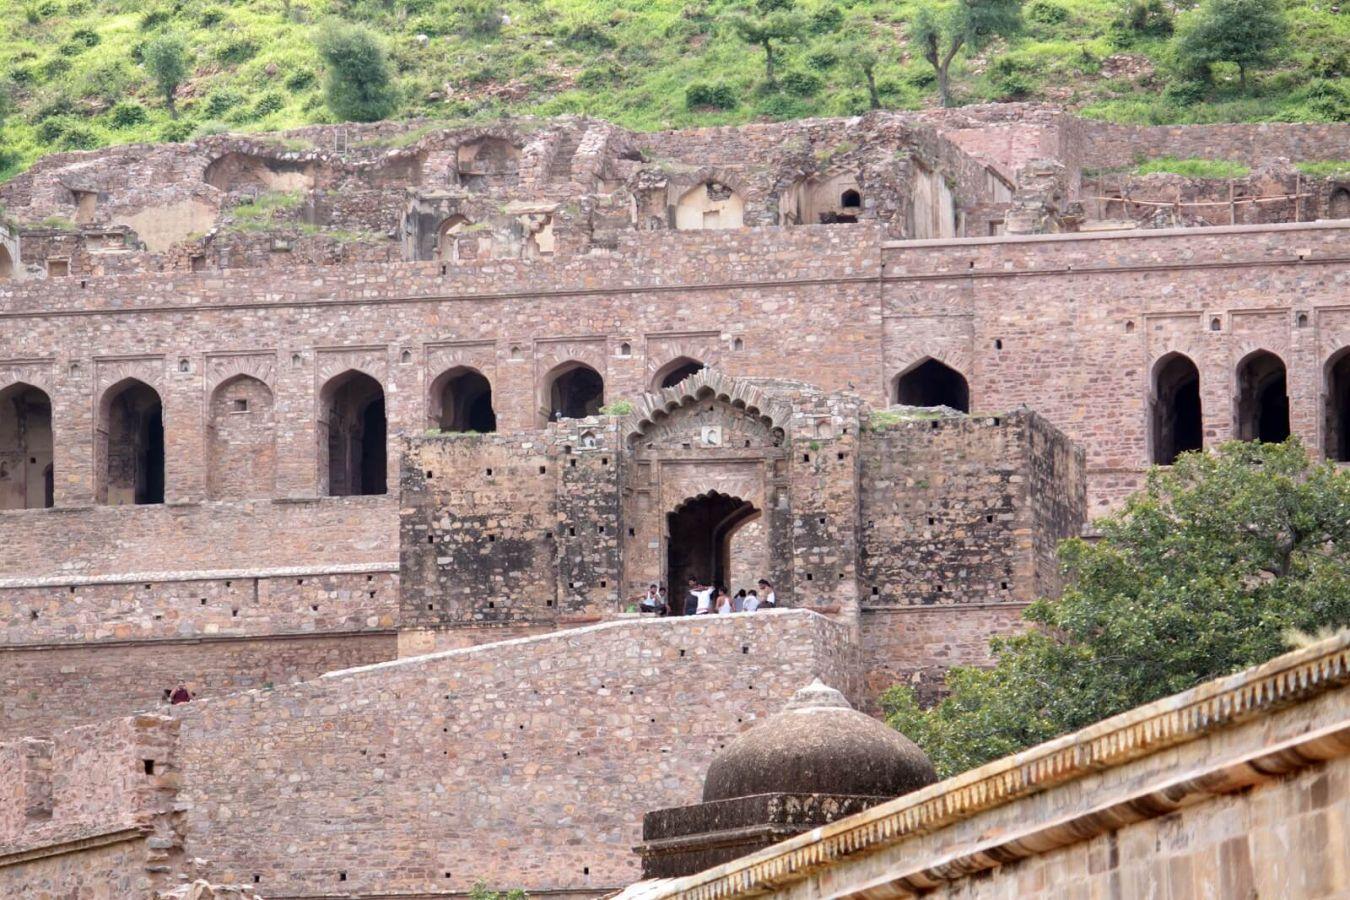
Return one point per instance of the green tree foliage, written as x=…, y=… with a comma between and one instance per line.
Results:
x=480, y=891
x=770, y=25
x=166, y=59
x=943, y=28
x=358, y=84
x=1206, y=571
x=1247, y=33
x=863, y=47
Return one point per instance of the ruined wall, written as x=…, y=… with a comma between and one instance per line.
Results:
x=47, y=687
x=553, y=744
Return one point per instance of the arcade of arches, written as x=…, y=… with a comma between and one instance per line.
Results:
x=1177, y=423
x=352, y=428
x=1262, y=400
x=130, y=445
x=575, y=391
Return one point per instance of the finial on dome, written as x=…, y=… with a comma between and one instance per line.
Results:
x=817, y=695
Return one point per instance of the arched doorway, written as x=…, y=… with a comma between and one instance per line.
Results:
x=1263, y=401
x=130, y=445
x=931, y=383
x=241, y=440
x=6, y=264
x=574, y=391
x=25, y=447
x=698, y=543
x=461, y=400
x=1338, y=406
x=1339, y=206
x=675, y=371
x=352, y=436
x=1176, y=410
x=447, y=237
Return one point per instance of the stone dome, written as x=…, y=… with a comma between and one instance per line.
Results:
x=818, y=744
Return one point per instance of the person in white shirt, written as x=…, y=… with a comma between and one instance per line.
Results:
x=751, y=602
x=702, y=594
x=723, y=603
x=652, y=602
x=767, y=599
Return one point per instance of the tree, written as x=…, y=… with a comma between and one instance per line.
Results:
x=1205, y=572
x=942, y=28
x=771, y=24
x=358, y=85
x=860, y=46
x=166, y=59
x=1248, y=33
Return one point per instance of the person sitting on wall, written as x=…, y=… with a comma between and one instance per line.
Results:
x=180, y=694
x=767, y=600
x=751, y=601
x=664, y=608
x=652, y=602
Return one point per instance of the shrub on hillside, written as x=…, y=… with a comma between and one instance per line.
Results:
x=358, y=82
x=709, y=96
x=166, y=59
x=127, y=114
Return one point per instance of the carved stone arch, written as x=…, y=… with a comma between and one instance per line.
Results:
x=129, y=445
x=713, y=201
x=241, y=449
x=1261, y=396
x=1336, y=387
x=224, y=367
x=1175, y=410
x=110, y=371
x=680, y=184
x=26, y=445
x=655, y=407
x=35, y=374
x=333, y=361
x=665, y=350
x=931, y=381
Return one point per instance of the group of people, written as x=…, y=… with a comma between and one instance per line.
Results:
x=708, y=599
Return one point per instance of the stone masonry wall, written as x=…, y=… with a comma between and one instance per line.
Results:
x=520, y=763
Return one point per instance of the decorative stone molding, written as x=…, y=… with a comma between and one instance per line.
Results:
x=221, y=367
x=1150, y=729
x=654, y=406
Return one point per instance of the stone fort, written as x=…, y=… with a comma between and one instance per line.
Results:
x=371, y=434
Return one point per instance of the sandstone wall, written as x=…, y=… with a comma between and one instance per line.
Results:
x=524, y=763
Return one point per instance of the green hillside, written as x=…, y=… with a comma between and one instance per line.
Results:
x=74, y=74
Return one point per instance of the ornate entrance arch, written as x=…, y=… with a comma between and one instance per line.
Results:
x=699, y=535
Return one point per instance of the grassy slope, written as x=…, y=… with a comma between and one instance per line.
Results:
x=78, y=83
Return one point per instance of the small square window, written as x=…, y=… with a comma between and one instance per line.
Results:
x=239, y=404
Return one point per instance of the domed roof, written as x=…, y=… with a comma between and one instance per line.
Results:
x=818, y=744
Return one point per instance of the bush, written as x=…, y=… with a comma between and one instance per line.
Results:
x=1194, y=168
x=826, y=20
x=822, y=60
x=299, y=79
x=715, y=96
x=358, y=84
x=1043, y=13
x=175, y=132
x=1143, y=18
x=126, y=114
x=478, y=17
x=801, y=84
x=1186, y=92
x=220, y=102
x=153, y=18
x=67, y=133
x=237, y=50
x=269, y=103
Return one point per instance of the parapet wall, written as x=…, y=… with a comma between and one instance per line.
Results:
x=524, y=763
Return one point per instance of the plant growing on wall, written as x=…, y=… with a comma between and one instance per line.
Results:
x=941, y=29
x=1203, y=573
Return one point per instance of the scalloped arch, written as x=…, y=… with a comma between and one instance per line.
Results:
x=655, y=406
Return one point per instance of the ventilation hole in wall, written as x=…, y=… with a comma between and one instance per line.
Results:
x=1129, y=328
x=543, y=470
x=406, y=357
x=936, y=425
x=548, y=602
x=239, y=404
x=372, y=595
x=939, y=588
x=429, y=606
x=567, y=448
x=167, y=693
x=203, y=601
x=585, y=870
x=370, y=578
x=314, y=607
x=682, y=653
x=447, y=874
x=83, y=283
x=1215, y=324
x=299, y=581
x=1003, y=585
x=745, y=648
x=604, y=584
x=876, y=591
x=809, y=577
x=932, y=521
x=33, y=614
x=72, y=588
x=229, y=583
x=234, y=613
x=989, y=518
x=159, y=617
x=184, y=366
x=998, y=343
x=296, y=360
x=342, y=876
x=738, y=344
x=429, y=475
x=604, y=460
x=997, y=420
x=147, y=587
x=149, y=766
x=821, y=520
x=431, y=539
x=505, y=755
x=600, y=528
x=1302, y=320
x=257, y=879
x=492, y=538
x=571, y=532
x=625, y=349
x=489, y=471
x=572, y=463
x=806, y=457
x=521, y=727
x=839, y=456
x=632, y=532
x=571, y=585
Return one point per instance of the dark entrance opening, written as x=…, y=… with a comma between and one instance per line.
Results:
x=25, y=447
x=1338, y=407
x=676, y=371
x=132, y=437
x=1263, y=403
x=576, y=392
x=462, y=401
x=932, y=384
x=352, y=408
x=699, y=543
x=1176, y=409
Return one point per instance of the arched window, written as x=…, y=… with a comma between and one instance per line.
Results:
x=932, y=384
x=447, y=241
x=675, y=371
x=130, y=445
x=461, y=400
x=1263, y=401
x=241, y=440
x=1338, y=406
x=850, y=199
x=25, y=448
x=6, y=264
x=1177, y=426
x=574, y=391
x=352, y=430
